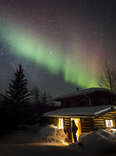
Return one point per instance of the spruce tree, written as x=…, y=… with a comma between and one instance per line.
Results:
x=16, y=100
x=17, y=93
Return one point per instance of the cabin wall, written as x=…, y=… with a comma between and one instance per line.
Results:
x=72, y=102
x=52, y=121
x=92, y=99
x=67, y=128
x=99, y=122
x=101, y=98
x=87, y=125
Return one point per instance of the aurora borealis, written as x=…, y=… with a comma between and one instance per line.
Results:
x=25, y=45
x=62, y=37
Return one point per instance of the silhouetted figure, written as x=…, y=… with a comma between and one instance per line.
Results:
x=74, y=130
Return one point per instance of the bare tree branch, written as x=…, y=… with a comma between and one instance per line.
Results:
x=108, y=78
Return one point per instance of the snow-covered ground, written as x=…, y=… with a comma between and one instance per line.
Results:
x=42, y=141
x=99, y=141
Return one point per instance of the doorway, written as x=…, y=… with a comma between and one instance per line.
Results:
x=77, y=122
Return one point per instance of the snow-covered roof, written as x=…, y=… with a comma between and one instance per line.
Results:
x=84, y=92
x=80, y=111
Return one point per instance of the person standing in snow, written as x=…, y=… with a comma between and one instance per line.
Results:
x=74, y=130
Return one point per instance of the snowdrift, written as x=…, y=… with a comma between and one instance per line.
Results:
x=100, y=141
x=51, y=135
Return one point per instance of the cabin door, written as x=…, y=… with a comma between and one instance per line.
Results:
x=75, y=129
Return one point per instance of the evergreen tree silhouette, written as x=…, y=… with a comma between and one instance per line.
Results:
x=17, y=98
x=17, y=92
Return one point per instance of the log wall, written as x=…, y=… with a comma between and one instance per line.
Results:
x=67, y=128
x=87, y=124
x=99, y=122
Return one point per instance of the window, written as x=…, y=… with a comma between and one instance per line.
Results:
x=60, y=126
x=109, y=123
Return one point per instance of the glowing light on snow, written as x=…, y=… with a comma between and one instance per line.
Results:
x=59, y=134
x=50, y=144
x=53, y=126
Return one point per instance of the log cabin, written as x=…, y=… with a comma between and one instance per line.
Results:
x=87, y=119
x=91, y=109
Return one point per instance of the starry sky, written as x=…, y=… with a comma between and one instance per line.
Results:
x=61, y=44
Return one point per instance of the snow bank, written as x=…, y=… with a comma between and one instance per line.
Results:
x=50, y=134
x=100, y=141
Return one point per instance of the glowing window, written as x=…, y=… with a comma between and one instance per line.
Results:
x=109, y=123
x=60, y=126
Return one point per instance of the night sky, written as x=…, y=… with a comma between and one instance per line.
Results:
x=62, y=44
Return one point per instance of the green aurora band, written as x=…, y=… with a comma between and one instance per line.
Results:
x=40, y=51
